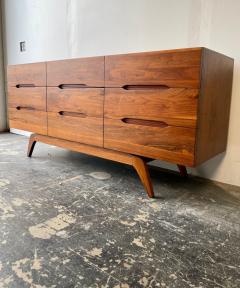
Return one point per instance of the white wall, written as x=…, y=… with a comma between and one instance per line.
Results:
x=55, y=29
x=58, y=29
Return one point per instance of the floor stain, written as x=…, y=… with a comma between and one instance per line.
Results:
x=6, y=210
x=50, y=227
x=95, y=252
x=4, y=182
x=100, y=175
x=18, y=202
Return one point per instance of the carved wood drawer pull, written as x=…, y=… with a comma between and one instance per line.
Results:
x=25, y=86
x=24, y=108
x=142, y=122
x=145, y=87
x=72, y=114
x=72, y=86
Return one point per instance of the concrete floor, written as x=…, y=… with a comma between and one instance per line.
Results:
x=64, y=225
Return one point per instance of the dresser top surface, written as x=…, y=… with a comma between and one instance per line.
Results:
x=167, y=51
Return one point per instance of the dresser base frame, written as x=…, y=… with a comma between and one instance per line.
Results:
x=139, y=163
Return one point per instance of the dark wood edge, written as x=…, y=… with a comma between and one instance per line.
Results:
x=31, y=145
x=183, y=171
x=4, y=130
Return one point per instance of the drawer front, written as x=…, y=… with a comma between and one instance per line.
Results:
x=28, y=120
x=34, y=98
x=76, y=114
x=158, y=124
x=82, y=72
x=87, y=130
x=27, y=75
x=177, y=68
x=170, y=143
x=177, y=105
x=88, y=101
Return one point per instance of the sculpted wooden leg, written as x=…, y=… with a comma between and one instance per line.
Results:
x=31, y=145
x=143, y=174
x=182, y=170
x=138, y=163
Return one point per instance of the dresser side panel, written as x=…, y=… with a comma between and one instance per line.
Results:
x=214, y=105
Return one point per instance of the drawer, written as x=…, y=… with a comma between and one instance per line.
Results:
x=88, y=101
x=76, y=114
x=75, y=127
x=27, y=97
x=178, y=105
x=176, y=68
x=28, y=120
x=27, y=75
x=79, y=72
x=157, y=141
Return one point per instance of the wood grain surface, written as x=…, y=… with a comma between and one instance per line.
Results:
x=29, y=74
x=214, y=105
x=84, y=71
x=85, y=100
x=176, y=68
x=84, y=129
x=76, y=114
x=169, y=143
x=31, y=97
x=178, y=105
x=28, y=120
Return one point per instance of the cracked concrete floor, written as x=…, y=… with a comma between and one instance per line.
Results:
x=70, y=220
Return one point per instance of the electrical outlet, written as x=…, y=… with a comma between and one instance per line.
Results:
x=22, y=46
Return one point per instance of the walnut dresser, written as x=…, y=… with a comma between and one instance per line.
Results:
x=170, y=105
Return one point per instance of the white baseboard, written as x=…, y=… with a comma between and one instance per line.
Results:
x=20, y=132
